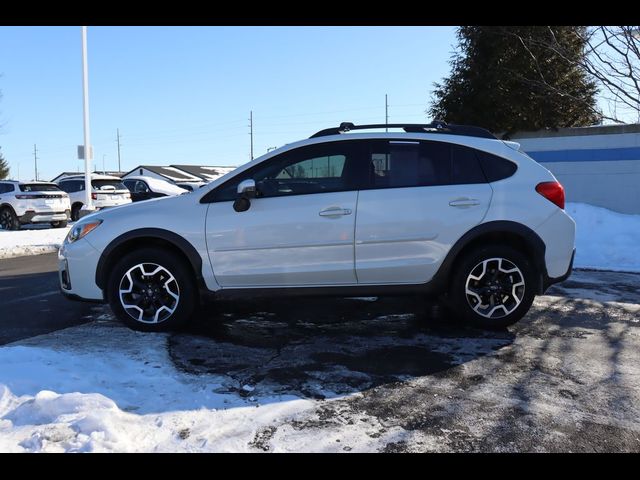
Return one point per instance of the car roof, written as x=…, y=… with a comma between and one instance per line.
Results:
x=20, y=182
x=94, y=176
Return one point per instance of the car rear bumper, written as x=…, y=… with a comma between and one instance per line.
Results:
x=45, y=216
x=548, y=281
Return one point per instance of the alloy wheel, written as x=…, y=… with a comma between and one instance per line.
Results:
x=495, y=288
x=149, y=293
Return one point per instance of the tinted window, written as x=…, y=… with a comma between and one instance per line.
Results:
x=494, y=167
x=141, y=187
x=465, y=167
x=129, y=184
x=108, y=185
x=31, y=187
x=67, y=186
x=323, y=168
x=4, y=188
x=409, y=164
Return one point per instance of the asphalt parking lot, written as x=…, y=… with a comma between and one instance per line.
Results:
x=566, y=378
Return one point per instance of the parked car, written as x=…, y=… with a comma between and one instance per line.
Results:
x=32, y=202
x=190, y=186
x=107, y=191
x=437, y=209
x=146, y=188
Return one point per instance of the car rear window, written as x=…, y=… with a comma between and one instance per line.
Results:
x=108, y=185
x=39, y=187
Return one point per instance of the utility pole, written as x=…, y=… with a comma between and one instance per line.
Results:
x=88, y=204
x=118, y=136
x=251, y=131
x=35, y=159
x=104, y=172
x=386, y=112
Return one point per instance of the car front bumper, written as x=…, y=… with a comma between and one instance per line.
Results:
x=77, y=263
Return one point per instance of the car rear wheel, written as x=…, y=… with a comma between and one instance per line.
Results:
x=152, y=290
x=493, y=286
x=60, y=224
x=8, y=219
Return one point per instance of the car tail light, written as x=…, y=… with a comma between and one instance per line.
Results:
x=552, y=191
x=24, y=197
x=127, y=195
x=94, y=196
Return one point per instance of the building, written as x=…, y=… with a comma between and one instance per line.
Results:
x=100, y=172
x=169, y=174
x=599, y=165
x=207, y=174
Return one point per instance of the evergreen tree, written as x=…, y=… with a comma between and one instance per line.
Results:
x=506, y=79
x=4, y=167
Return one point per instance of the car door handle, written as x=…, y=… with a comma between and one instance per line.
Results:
x=464, y=202
x=334, y=212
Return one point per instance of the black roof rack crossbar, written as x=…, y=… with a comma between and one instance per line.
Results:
x=433, y=127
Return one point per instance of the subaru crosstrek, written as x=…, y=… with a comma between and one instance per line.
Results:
x=434, y=209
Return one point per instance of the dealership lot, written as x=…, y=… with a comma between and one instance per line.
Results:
x=366, y=374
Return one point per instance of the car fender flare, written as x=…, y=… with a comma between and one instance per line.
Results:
x=172, y=238
x=531, y=238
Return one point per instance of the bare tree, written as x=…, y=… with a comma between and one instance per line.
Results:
x=612, y=59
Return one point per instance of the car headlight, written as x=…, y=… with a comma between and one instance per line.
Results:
x=81, y=230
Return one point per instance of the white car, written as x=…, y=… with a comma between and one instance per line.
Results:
x=32, y=202
x=107, y=191
x=145, y=188
x=435, y=209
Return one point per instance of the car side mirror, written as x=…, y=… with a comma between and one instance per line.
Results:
x=246, y=191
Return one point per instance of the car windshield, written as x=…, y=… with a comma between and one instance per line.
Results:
x=108, y=185
x=39, y=187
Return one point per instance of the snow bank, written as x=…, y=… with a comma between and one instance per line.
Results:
x=120, y=392
x=605, y=240
x=31, y=242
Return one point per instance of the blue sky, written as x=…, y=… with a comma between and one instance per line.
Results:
x=183, y=94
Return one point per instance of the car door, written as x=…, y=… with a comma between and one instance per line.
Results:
x=422, y=197
x=299, y=230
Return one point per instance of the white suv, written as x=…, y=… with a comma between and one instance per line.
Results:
x=32, y=202
x=106, y=191
x=434, y=209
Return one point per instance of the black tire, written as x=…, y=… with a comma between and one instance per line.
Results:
x=75, y=212
x=60, y=224
x=184, y=286
x=494, y=290
x=8, y=219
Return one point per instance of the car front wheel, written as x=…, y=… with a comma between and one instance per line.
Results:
x=493, y=286
x=152, y=290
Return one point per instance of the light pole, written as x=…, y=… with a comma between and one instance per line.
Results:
x=88, y=205
x=104, y=172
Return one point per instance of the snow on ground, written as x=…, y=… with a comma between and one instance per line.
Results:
x=31, y=241
x=605, y=240
x=120, y=392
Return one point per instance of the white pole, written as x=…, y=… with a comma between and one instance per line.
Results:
x=85, y=114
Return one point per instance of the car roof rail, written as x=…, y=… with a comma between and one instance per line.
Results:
x=436, y=126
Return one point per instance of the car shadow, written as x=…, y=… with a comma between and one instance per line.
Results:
x=326, y=347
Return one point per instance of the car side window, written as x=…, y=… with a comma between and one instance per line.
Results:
x=141, y=187
x=321, y=168
x=65, y=186
x=465, y=166
x=395, y=164
x=3, y=188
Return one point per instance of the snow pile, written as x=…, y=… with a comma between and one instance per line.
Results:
x=604, y=239
x=121, y=393
x=31, y=242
